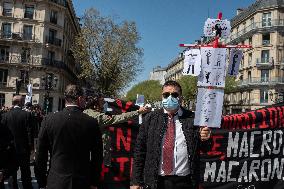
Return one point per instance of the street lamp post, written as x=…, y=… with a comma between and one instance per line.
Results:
x=49, y=83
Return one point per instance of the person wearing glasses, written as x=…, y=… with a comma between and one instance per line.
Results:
x=166, y=154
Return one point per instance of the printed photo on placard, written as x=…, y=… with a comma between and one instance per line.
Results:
x=209, y=107
x=192, y=62
x=216, y=27
x=212, y=67
x=234, y=62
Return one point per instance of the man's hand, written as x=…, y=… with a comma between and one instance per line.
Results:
x=205, y=133
x=135, y=187
x=93, y=187
x=1, y=176
x=143, y=110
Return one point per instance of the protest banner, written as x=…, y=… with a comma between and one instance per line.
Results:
x=123, y=137
x=247, y=152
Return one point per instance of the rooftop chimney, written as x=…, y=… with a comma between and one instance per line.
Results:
x=239, y=10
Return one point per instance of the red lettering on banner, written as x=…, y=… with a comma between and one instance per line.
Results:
x=104, y=171
x=121, y=161
x=263, y=112
x=214, y=151
x=273, y=118
x=252, y=119
x=282, y=120
x=236, y=123
x=225, y=122
x=246, y=120
x=127, y=105
x=125, y=140
x=280, y=117
x=232, y=122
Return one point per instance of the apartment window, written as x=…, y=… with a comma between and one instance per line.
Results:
x=24, y=76
x=51, y=55
x=264, y=75
x=52, y=35
x=263, y=96
x=266, y=19
x=3, y=77
x=249, y=59
x=7, y=9
x=25, y=55
x=28, y=32
x=7, y=30
x=266, y=39
x=53, y=17
x=249, y=76
x=29, y=11
x=4, y=53
x=237, y=31
x=252, y=23
x=2, y=99
x=48, y=104
x=265, y=56
x=250, y=41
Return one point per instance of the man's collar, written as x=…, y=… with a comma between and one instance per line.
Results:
x=17, y=106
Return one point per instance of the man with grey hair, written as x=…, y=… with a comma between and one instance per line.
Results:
x=75, y=144
x=19, y=123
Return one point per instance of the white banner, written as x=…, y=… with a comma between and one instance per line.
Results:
x=213, y=27
x=209, y=107
x=213, y=67
x=192, y=62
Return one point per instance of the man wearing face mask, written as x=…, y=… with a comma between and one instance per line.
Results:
x=75, y=143
x=166, y=154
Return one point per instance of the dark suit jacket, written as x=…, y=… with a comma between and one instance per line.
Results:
x=19, y=122
x=75, y=143
x=8, y=163
x=147, y=153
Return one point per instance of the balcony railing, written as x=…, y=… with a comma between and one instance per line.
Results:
x=261, y=81
x=257, y=25
x=36, y=61
x=17, y=36
x=53, y=41
x=60, y=2
x=264, y=63
x=7, y=12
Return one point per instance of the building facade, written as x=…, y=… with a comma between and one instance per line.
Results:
x=261, y=75
x=158, y=74
x=175, y=68
x=35, y=41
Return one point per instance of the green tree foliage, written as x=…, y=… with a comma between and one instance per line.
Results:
x=189, y=87
x=151, y=90
x=231, y=84
x=107, y=52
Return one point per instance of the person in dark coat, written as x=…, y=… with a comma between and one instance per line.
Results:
x=8, y=163
x=166, y=154
x=75, y=144
x=19, y=122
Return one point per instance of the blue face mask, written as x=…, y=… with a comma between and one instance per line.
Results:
x=170, y=103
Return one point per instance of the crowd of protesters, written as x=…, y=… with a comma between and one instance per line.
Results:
x=70, y=145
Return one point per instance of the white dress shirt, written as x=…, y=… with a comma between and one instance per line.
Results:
x=180, y=159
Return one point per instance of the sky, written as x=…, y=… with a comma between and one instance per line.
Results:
x=163, y=24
